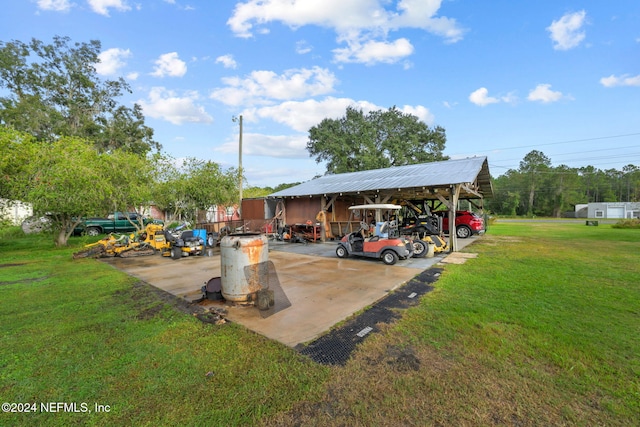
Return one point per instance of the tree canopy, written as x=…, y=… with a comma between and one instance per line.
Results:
x=192, y=184
x=379, y=139
x=68, y=179
x=54, y=91
x=538, y=188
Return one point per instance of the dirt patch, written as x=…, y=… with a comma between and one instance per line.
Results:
x=499, y=240
x=10, y=265
x=150, y=312
x=214, y=315
x=458, y=258
x=401, y=359
x=149, y=301
x=29, y=280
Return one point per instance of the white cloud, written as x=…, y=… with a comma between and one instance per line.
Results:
x=262, y=87
x=227, y=61
x=112, y=60
x=102, y=6
x=303, y=47
x=481, y=97
x=566, y=32
x=544, y=94
x=170, y=65
x=361, y=24
x=302, y=115
x=420, y=112
x=133, y=76
x=282, y=146
x=623, y=80
x=371, y=51
x=55, y=5
x=166, y=105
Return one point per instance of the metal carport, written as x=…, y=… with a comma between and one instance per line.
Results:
x=446, y=181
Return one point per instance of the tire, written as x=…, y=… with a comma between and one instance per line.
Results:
x=176, y=252
x=389, y=257
x=419, y=249
x=463, y=232
x=341, y=252
x=211, y=242
x=92, y=231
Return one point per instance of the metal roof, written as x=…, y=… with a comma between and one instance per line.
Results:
x=432, y=175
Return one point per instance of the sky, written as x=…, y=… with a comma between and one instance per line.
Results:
x=502, y=77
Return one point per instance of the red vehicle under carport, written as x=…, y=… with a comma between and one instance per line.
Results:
x=467, y=223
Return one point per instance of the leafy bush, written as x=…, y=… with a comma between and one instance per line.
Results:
x=8, y=231
x=627, y=223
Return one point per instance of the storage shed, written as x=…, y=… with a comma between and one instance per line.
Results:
x=326, y=199
x=619, y=210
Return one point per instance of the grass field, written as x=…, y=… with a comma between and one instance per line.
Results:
x=542, y=328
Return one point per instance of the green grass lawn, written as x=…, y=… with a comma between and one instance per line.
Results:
x=81, y=331
x=542, y=328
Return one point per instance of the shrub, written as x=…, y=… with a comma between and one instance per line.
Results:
x=627, y=223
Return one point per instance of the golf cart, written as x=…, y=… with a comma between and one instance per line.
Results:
x=377, y=236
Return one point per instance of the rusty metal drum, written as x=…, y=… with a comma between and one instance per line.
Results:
x=244, y=266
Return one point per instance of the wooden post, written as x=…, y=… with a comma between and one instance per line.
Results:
x=453, y=207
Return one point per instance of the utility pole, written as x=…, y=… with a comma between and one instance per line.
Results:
x=239, y=119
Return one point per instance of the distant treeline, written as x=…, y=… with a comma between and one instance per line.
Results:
x=537, y=188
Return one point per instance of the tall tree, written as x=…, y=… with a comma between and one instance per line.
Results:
x=533, y=164
x=631, y=182
x=66, y=182
x=68, y=179
x=378, y=139
x=54, y=91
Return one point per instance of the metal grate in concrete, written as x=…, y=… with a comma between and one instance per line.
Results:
x=336, y=347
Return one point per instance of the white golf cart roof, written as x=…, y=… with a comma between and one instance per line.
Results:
x=387, y=206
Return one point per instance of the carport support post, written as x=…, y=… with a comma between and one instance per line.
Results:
x=323, y=231
x=453, y=207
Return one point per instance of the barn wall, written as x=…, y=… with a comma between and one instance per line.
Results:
x=253, y=209
x=302, y=209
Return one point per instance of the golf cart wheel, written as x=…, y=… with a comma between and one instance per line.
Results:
x=462, y=231
x=389, y=257
x=176, y=253
x=341, y=252
x=419, y=249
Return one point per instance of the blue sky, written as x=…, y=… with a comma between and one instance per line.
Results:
x=502, y=77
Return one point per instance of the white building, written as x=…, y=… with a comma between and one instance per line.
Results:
x=14, y=212
x=613, y=210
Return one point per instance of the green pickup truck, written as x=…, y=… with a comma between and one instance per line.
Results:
x=114, y=223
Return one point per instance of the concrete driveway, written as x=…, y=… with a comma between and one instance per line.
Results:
x=313, y=288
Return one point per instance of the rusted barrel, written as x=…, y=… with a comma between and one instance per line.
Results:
x=244, y=266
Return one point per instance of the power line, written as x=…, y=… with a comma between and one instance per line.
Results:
x=632, y=162
x=598, y=138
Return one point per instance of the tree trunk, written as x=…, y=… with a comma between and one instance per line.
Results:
x=62, y=237
x=532, y=192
